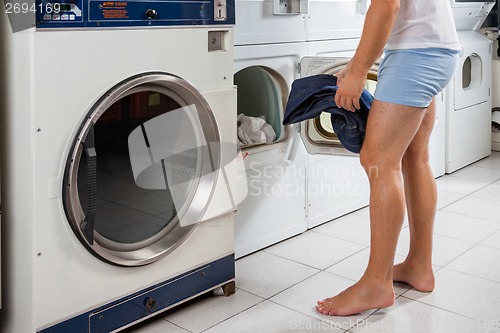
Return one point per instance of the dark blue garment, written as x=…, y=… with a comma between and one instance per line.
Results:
x=312, y=95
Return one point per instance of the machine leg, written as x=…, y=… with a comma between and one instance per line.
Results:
x=229, y=288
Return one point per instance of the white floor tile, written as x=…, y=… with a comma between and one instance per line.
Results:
x=458, y=185
x=264, y=274
x=476, y=207
x=446, y=198
x=363, y=211
x=463, y=294
x=491, y=192
x=473, y=172
x=492, y=161
x=493, y=240
x=466, y=289
x=410, y=316
x=494, y=330
x=206, y=312
x=303, y=297
x=155, y=325
x=463, y=227
x=479, y=261
x=445, y=249
x=269, y=317
x=315, y=250
x=353, y=228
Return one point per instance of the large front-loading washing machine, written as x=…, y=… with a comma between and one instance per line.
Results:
x=468, y=116
x=118, y=145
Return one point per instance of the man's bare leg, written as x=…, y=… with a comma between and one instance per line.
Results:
x=421, y=197
x=390, y=130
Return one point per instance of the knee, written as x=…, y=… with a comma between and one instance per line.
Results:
x=416, y=155
x=371, y=163
x=378, y=163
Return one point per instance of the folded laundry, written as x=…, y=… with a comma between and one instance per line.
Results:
x=312, y=95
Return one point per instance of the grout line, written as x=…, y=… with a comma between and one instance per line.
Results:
x=449, y=311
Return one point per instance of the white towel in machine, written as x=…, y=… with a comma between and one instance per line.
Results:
x=253, y=130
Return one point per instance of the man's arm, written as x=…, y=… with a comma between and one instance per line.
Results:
x=379, y=20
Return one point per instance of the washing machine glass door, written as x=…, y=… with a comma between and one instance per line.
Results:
x=318, y=134
x=142, y=169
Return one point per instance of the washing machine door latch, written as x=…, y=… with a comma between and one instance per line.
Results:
x=87, y=225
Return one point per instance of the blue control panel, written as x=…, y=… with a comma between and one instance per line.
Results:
x=130, y=13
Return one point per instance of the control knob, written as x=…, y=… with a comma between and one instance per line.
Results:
x=151, y=13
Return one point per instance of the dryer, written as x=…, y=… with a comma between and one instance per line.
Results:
x=468, y=114
x=117, y=142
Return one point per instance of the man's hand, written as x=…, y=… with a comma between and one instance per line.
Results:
x=350, y=86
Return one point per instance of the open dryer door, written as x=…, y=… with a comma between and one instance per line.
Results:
x=146, y=166
x=318, y=134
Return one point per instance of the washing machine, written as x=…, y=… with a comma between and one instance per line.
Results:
x=271, y=38
x=270, y=21
x=492, y=33
x=337, y=183
x=468, y=117
x=468, y=114
x=118, y=146
x=495, y=117
x=330, y=166
x=269, y=43
x=335, y=19
x=275, y=206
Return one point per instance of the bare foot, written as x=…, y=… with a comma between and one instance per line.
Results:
x=419, y=277
x=359, y=297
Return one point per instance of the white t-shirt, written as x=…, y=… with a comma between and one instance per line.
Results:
x=424, y=23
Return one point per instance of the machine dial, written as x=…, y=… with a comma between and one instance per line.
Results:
x=151, y=13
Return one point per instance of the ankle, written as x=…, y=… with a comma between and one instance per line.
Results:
x=418, y=262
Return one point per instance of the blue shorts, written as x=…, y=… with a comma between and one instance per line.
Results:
x=414, y=76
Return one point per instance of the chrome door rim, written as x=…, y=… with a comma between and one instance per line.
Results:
x=155, y=247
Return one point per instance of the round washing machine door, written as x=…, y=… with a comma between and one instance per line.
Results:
x=318, y=134
x=262, y=94
x=142, y=163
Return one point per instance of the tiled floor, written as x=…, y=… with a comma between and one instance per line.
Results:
x=277, y=287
